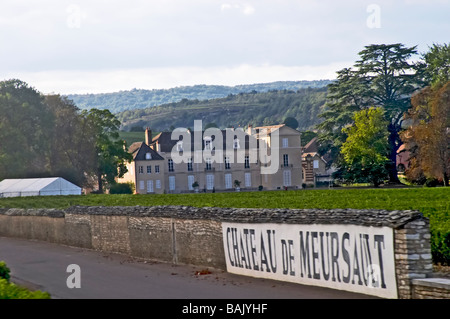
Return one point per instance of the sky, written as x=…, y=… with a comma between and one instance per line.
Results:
x=100, y=46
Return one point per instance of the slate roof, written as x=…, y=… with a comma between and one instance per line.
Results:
x=139, y=151
x=311, y=147
x=164, y=139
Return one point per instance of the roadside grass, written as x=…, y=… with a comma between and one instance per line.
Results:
x=433, y=203
x=9, y=290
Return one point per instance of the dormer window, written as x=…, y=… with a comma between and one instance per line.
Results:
x=148, y=156
x=208, y=141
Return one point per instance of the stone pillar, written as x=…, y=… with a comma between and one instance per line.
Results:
x=412, y=255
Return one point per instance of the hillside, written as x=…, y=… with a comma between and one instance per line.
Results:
x=140, y=99
x=233, y=111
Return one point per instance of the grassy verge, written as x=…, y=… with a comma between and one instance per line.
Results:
x=9, y=290
x=433, y=203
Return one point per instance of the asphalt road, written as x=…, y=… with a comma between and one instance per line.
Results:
x=43, y=266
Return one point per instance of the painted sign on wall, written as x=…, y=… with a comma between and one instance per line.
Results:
x=347, y=257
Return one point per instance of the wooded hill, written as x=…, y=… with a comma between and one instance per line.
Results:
x=140, y=99
x=266, y=108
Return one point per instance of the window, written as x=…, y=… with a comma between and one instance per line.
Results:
x=190, y=182
x=248, y=180
x=285, y=142
x=287, y=178
x=170, y=161
x=150, y=187
x=157, y=169
x=141, y=169
x=208, y=164
x=141, y=185
x=189, y=164
x=180, y=146
x=316, y=164
x=158, y=184
x=236, y=144
x=148, y=156
x=208, y=143
x=209, y=182
x=171, y=183
x=228, y=179
x=285, y=160
x=247, y=162
x=149, y=169
x=227, y=163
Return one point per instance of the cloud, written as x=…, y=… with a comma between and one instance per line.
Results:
x=246, y=9
x=140, y=43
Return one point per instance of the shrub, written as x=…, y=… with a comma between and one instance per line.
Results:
x=4, y=271
x=433, y=182
x=122, y=188
x=11, y=291
x=440, y=246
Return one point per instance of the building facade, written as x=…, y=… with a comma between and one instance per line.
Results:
x=267, y=157
x=315, y=168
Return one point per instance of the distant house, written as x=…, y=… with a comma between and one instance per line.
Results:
x=403, y=157
x=154, y=170
x=37, y=187
x=314, y=166
x=147, y=169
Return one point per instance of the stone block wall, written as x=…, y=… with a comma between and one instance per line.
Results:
x=431, y=288
x=151, y=238
x=37, y=224
x=412, y=255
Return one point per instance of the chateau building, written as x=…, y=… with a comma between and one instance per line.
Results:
x=268, y=157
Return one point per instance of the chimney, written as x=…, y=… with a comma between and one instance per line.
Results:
x=148, y=136
x=249, y=129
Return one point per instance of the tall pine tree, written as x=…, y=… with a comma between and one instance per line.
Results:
x=383, y=77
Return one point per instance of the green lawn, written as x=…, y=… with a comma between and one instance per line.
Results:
x=426, y=200
x=434, y=203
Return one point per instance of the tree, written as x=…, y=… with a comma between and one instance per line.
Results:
x=436, y=65
x=428, y=137
x=383, y=77
x=24, y=131
x=48, y=136
x=71, y=148
x=307, y=136
x=291, y=122
x=364, y=151
x=111, y=153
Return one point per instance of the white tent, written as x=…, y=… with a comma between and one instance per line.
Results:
x=37, y=187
